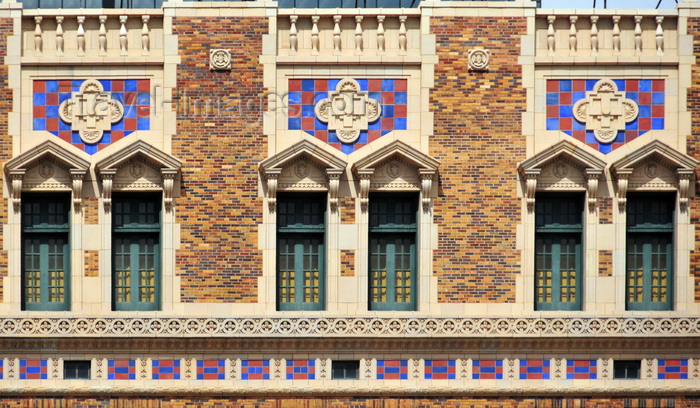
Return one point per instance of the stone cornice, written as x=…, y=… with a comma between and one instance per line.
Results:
x=353, y=327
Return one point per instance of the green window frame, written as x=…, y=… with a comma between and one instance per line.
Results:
x=301, y=251
x=392, y=251
x=649, y=266
x=136, y=258
x=558, y=257
x=46, y=252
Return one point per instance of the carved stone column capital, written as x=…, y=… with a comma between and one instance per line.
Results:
x=17, y=176
x=592, y=176
x=271, y=176
x=168, y=184
x=684, y=176
x=365, y=176
x=622, y=182
x=77, y=176
x=333, y=186
x=426, y=181
x=107, y=180
x=531, y=176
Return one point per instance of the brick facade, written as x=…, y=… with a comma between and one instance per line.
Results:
x=477, y=139
x=219, y=208
x=5, y=141
x=694, y=148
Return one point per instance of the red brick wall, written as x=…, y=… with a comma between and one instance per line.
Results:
x=478, y=138
x=5, y=139
x=694, y=149
x=219, y=209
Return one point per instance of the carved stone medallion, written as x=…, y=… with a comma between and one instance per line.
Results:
x=651, y=170
x=219, y=60
x=478, y=60
x=605, y=110
x=560, y=170
x=301, y=170
x=348, y=110
x=91, y=111
x=137, y=170
x=394, y=170
x=46, y=170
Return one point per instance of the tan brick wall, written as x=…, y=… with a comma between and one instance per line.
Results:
x=91, y=210
x=347, y=262
x=478, y=139
x=5, y=139
x=348, y=402
x=219, y=209
x=92, y=264
x=605, y=209
x=693, y=98
x=605, y=259
x=347, y=210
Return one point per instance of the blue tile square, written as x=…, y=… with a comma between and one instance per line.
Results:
x=131, y=85
x=552, y=98
x=307, y=85
x=565, y=111
x=633, y=96
x=399, y=123
x=307, y=111
x=332, y=84
x=565, y=85
x=605, y=149
x=106, y=84
x=363, y=84
x=319, y=96
x=657, y=98
x=644, y=111
x=552, y=124
x=387, y=111
x=144, y=98
x=400, y=98
x=39, y=124
x=51, y=86
x=576, y=96
x=387, y=85
x=620, y=84
x=657, y=123
x=645, y=85
x=39, y=98
x=377, y=96
x=347, y=148
x=293, y=98
x=75, y=85
x=63, y=96
x=51, y=111
x=576, y=125
x=318, y=125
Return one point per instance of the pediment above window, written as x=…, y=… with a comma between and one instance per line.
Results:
x=47, y=167
x=562, y=167
x=396, y=167
x=138, y=167
x=654, y=167
x=303, y=167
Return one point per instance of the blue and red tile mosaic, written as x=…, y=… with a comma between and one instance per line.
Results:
x=534, y=369
x=392, y=369
x=134, y=94
x=166, y=369
x=487, y=369
x=121, y=369
x=211, y=369
x=673, y=370
x=1, y=368
x=304, y=94
x=301, y=369
x=581, y=369
x=255, y=369
x=440, y=370
x=562, y=94
x=33, y=370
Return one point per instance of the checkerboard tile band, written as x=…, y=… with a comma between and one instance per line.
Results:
x=534, y=369
x=2, y=368
x=301, y=369
x=673, y=370
x=255, y=369
x=33, y=370
x=134, y=94
x=392, y=369
x=487, y=369
x=304, y=94
x=581, y=369
x=440, y=370
x=166, y=369
x=121, y=369
x=562, y=94
x=211, y=369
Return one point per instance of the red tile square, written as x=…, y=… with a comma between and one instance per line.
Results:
x=359, y=145
x=632, y=85
x=336, y=145
x=52, y=98
x=39, y=111
x=321, y=135
x=388, y=98
x=657, y=111
x=320, y=85
x=307, y=98
x=616, y=145
x=580, y=135
x=400, y=111
x=644, y=123
x=295, y=85
x=565, y=98
x=116, y=135
x=39, y=86
x=552, y=111
x=52, y=124
x=565, y=124
x=373, y=135
x=65, y=86
x=130, y=124
x=579, y=85
x=387, y=123
x=130, y=98
x=552, y=85
x=308, y=123
x=117, y=85
x=400, y=85
x=645, y=98
x=65, y=135
x=630, y=135
x=595, y=146
x=143, y=85
x=657, y=85
x=375, y=85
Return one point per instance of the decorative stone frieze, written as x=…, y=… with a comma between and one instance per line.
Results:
x=654, y=167
x=91, y=111
x=348, y=110
x=570, y=168
x=605, y=110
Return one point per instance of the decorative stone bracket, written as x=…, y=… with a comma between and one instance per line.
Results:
x=426, y=184
x=684, y=176
x=592, y=176
x=168, y=175
x=77, y=177
x=365, y=180
x=333, y=187
x=531, y=176
x=107, y=181
x=17, y=176
x=271, y=176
